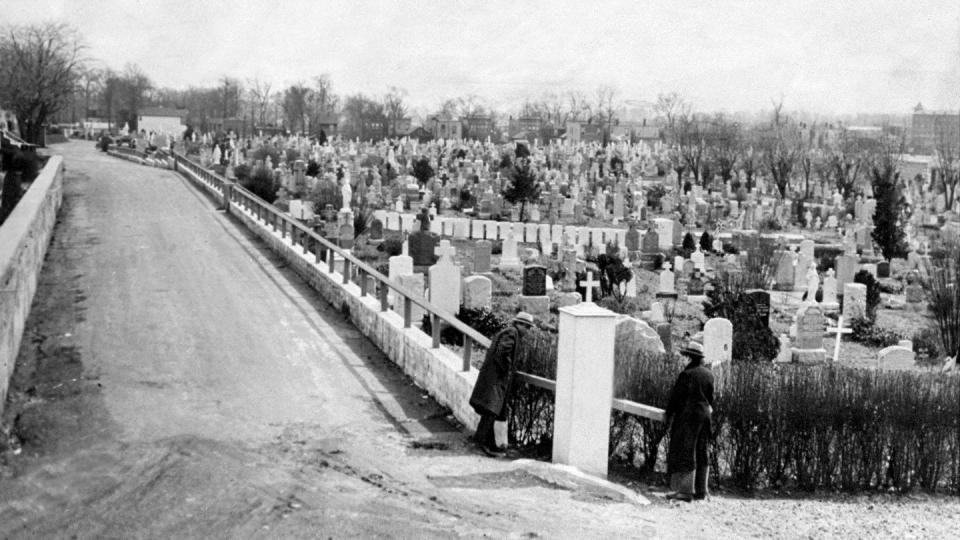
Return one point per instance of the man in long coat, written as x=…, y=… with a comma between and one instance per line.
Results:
x=689, y=414
x=490, y=394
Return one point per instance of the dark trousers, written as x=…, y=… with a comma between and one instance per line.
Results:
x=485, y=435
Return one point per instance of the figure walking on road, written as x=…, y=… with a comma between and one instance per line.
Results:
x=689, y=413
x=491, y=392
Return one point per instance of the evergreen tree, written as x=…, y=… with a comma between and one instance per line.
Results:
x=706, y=242
x=889, y=216
x=689, y=245
x=522, y=186
x=422, y=170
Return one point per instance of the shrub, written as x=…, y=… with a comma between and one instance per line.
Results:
x=943, y=296
x=391, y=246
x=260, y=183
x=769, y=223
x=706, y=242
x=242, y=172
x=689, y=245
x=482, y=320
x=926, y=343
x=313, y=168
x=865, y=331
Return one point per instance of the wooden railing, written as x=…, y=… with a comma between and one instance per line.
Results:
x=304, y=236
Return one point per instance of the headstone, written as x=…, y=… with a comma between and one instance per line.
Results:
x=346, y=236
x=883, y=269
x=846, y=268
x=665, y=331
x=699, y=260
x=398, y=265
x=829, y=302
x=481, y=256
x=854, y=301
x=914, y=293
x=786, y=272
x=477, y=291
x=809, y=346
x=667, y=284
x=509, y=259
x=445, y=284
x=422, y=245
x=376, y=230
x=804, y=258
x=413, y=283
x=896, y=357
x=761, y=302
x=717, y=342
x=534, y=280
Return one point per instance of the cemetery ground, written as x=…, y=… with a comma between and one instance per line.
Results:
x=176, y=380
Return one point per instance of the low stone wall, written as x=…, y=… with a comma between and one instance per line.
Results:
x=435, y=370
x=24, y=238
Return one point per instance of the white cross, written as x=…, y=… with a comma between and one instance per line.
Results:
x=839, y=331
x=445, y=251
x=589, y=284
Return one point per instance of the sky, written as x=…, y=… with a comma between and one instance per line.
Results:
x=836, y=57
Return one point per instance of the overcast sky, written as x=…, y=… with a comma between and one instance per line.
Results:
x=829, y=57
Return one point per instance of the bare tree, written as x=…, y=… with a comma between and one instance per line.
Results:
x=946, y=176
x=847, y=163
x=395, y=108
x=134, y=86
x=780, y=148
x=577, y=106
x=725, y=144
x=606, y=110
x=259, y=92
x=39, y=67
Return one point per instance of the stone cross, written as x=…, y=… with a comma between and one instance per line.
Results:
x=445, y=250
x=839, y=331
x=589, y=284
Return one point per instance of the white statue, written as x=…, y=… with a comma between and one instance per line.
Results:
x=813, y=283
x=346, y=193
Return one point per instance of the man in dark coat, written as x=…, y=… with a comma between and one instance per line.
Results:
x=490, y=394
x=688, y=416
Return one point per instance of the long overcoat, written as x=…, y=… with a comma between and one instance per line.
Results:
x=690, y=410
x=493, y=382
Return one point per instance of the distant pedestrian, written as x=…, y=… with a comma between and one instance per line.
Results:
x=689, y=414
x=491, y=392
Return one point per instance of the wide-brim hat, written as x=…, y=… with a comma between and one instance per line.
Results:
x=693, y=350
x=523, y=317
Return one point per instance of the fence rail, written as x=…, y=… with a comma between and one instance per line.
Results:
x=303, y=236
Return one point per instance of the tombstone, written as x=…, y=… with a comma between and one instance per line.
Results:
x=413, y=283
x=699, y=260
x=634, y=335
x=509, y=259
x=664, y=229
x=896, y=357
x=914, y=293
x=398, y=265
x=761, y=302
x=786, y=272
x=421, y=247
x=445, y=284
x=812, y=283
x=345, y=234
x=477, y=292
x=870, y=267
x=854, y=301
x=846, y=268
x=717, y=342
x=829, y=301
x=655, y=314
x=481, y=256
x=667, y=285
x=785, y=356
x=568, y=299
x=687, y=269
x=533, y=298
x=883, y=269
x=633, y=238
x=804, y=257
x=570, y=268
x=376, y=231
x=809, y=346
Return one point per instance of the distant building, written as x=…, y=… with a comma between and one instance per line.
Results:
x=162, y=120
x=930, y=130
x=478, y=127
x=445, y=127
x=525, y=124
x=328, y=123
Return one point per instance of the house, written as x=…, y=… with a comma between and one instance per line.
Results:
x=327, y=122
x=445, y=127
x=930, y=130
x=478, y=126
x=162, y=120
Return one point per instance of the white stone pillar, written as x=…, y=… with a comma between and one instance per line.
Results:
x=581, y=425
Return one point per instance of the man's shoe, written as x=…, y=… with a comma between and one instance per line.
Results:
x=493, y=452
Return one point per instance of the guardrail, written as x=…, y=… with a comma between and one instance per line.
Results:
x=310, y=241
x=303, y=236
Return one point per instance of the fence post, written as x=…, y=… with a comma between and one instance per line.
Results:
x=407, y=311
x=435, y=329
x=581, y=426
x=467, y=352
x=384, y=290
x=227, y=187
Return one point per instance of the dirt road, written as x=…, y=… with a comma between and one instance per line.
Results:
x=176, y=380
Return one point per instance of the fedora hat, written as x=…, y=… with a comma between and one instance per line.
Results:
x=523, y=317
x=693, y=350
